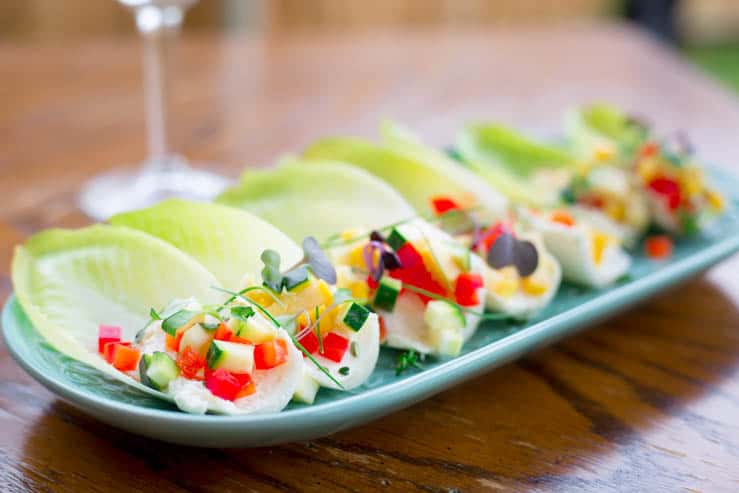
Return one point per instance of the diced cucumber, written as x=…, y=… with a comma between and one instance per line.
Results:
x=255, y=329
x=354, y=316
x=387, y=293
x=441, y=315
x=306, y=390
x=197, y=338
x=395, y=239
x=181, y=320
x=296, y=278
x=461, y=255
x=231, y=356
x=449, y=342
x=156, y=370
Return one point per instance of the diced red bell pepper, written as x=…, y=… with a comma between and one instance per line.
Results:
x=443, y=204
x=270, y=354
x=124, y=357
x=371, y=282
x=227, y=385
x=173, y=343
x=334, y=346
x=489, y=236
x=658, y=247
x=109, y=348
x=413, y=272
x=106, y=334
x=383, y=328
x=223, y=333
x=669, y=189
x=465, y=289
x=309, y=341
x=190, y=363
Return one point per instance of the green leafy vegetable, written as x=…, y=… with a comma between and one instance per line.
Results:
x=271, y=275
x=71, y=281
x=225, y=240
x=177, y=320
x=408, y=359
x=242, y=312
x=320, y=200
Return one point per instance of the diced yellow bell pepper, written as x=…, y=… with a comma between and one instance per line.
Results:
x=600, y=241
x=359, y=289
x=349, y=234
x=325, y=290
x=507, y=284
x=648, y=169
x=715, y=200
x=533, y=286
x=604, y=153
x=259, y=296
x=356, y=257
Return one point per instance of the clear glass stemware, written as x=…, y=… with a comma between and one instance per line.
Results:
x=164, y=173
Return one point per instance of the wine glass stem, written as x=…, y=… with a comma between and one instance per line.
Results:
x=159, y=27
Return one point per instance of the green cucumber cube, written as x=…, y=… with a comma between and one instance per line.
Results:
x=441, y=315
x=387, y=293
x=255, y=329
x=231, y=356
x=396, y=239
x=156, y=370
x=306, y=390
x=354, y=316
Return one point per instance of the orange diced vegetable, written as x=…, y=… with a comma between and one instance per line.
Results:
x=125, y=358
x=563, y=217
x=658, y=247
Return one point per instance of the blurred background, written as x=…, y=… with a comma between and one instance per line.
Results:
x=706, y=31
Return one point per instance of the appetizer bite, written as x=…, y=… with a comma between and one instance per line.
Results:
x=230, y=358
x=663, y=172
x=303, y=296
x=680, y=199
x=588, y=249
x=427, y=289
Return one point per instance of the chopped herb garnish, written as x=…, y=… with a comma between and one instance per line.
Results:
x=354, y=349
x=408, y=359
x=242, y=312
x=313, y=360
x=154, y=315
x=235, y=295
x=177, y=320
x=318, y=332
x=344, y=370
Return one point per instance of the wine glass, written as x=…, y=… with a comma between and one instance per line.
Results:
x=164, y=173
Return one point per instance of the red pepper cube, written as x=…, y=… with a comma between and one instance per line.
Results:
x=443, y=204
x=223, y=384
x=190, y=363
x=334, y=347
x=106, y=334
x=465, y=289
x=669, y=189
x=309, y=341
x=223, y=333
x=270, y=354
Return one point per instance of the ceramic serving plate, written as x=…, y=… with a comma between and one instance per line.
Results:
x=494, y=344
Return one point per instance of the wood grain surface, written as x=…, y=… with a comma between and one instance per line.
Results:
x=647, y=401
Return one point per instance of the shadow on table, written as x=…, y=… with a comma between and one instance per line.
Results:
x=638, y=392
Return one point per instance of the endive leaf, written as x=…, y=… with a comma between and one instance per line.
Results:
x=418, y=172
x=227, y=241
x=71, y=281
x=304, y=200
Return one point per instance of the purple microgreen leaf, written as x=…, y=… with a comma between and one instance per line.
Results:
x=501, y=252
x=319, y=263
x=525, y=257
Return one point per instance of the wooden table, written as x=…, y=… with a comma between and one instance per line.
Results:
x=648, y=401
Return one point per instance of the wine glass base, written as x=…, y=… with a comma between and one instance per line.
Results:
x=120, y=191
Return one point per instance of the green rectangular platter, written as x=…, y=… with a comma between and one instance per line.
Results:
x=494, y=344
